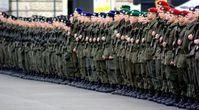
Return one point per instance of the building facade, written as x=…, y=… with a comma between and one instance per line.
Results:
x=48, y=8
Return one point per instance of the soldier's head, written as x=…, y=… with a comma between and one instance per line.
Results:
x=102, y=17
x=163, y=11
x=124, y=13
x=196, y=11
x=143, y=17
x=110, y=17
x=77, y=12
x=152, y=13
x=173, y=16
x=117, y=16
x=191, y=17
x=133, y=16
x=182, y=16
x=94, y=17
x=5, y=15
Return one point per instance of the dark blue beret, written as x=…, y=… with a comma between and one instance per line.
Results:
x=95, y=14
x=103, y=15
x=112, y=11
x=196, y=7
x=88, y=14
x=110, y=14
x=78, y=9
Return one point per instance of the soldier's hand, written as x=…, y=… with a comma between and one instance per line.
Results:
x=164, y=44
x=172, y=63
x=103, y=57
x=179, y=42
x=137, y=41
x=161, y=39
x=76, y=39
x=115, y=32
x=157, y=36
x=110, y=57
x=197, y=47
x=118, y=35
x=74, y=50
x=143, y=40
x=153, y=33
x=132, y=40
x=68, y=33
x=190, y=36
x=173, y=43
x=196, y=41
x=75, y=35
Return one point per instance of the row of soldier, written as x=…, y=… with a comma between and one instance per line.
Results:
x=36, y=45
x=150, y=55
x=156, y=54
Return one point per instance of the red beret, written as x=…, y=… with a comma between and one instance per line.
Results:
x=174, y=11
x=165, y=8
x=154, y=10
x=184, y=12
x=163, y=3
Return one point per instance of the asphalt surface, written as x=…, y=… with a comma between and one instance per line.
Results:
x=21, y=94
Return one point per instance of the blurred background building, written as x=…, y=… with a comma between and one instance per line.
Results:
x=66, y=7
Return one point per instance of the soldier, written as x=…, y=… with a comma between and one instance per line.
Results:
x=108, y=55
x=169, y=43
x=193, y=58
x=158, y=56
x=149, y=51
x=180, y=58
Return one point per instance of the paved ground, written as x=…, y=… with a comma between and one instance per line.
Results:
x=20, y=94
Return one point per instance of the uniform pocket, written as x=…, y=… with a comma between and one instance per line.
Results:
x=181, y=62
x=134, y=58
x=149, y=53
x=168, y=57
x=197, y=55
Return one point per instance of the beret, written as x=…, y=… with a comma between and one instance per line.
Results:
x=154, y=10
x=174, y=11
x=125, y=7
x=163, y=3
x=165, y=8
x=103, y=15
x=96, y=14
x=110, y=14
x=134, y=13
x=196, y=7
x=88, y=14
x=79, y=10
x=184, y=12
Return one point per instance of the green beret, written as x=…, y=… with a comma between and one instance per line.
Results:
x=135, y=10
x=134, y=13
x=124, y=11
x=125, y=7
x=143, y=13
